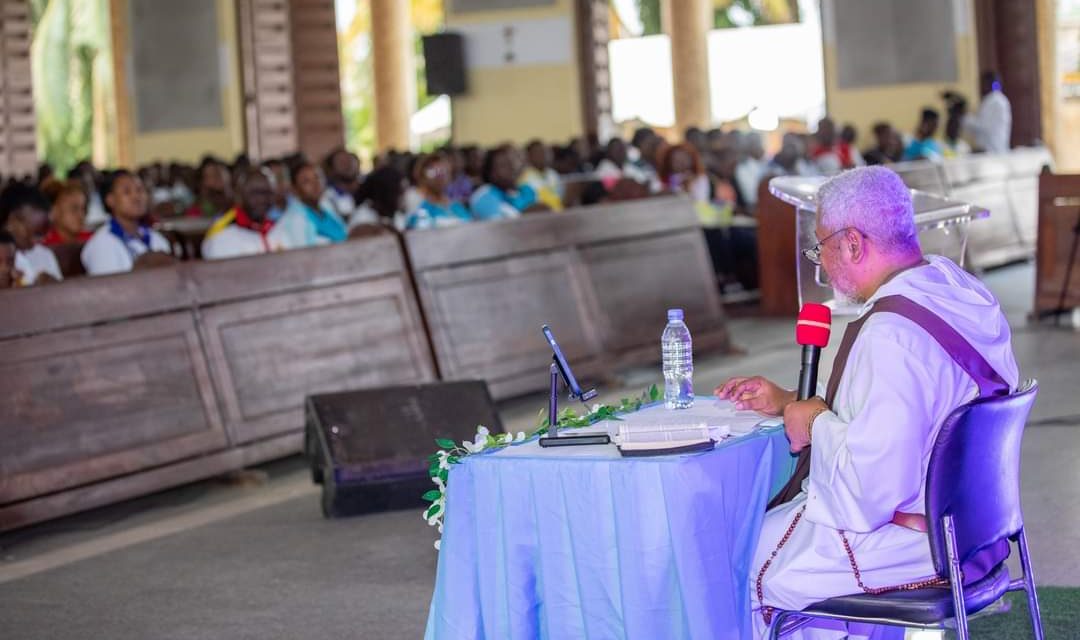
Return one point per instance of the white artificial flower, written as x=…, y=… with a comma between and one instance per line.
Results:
x=595, y=408
x=440, y=528
x=439, y=483
x=444, y=463
x=482, y=431
x=474, y=447
x=520, y=436
x=505, y=438
x=437, y=544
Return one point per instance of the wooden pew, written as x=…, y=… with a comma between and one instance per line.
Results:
x=1059, y=216
x=1006, y=184
x=601, y=276
x=123, y=385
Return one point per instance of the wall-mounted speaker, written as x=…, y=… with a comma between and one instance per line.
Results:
x=444, y=64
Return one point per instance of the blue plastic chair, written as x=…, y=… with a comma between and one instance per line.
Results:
x=972, y=506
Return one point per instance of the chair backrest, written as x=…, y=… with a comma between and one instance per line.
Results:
x=974, y=474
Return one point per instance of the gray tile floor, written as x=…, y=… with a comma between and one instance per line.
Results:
x=216, y=560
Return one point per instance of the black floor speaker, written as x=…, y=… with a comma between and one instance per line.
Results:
x=369, y=448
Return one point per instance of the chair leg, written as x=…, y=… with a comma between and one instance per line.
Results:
x=1029, y=587
x=956, y=581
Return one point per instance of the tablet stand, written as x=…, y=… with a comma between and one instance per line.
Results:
x=553, y=439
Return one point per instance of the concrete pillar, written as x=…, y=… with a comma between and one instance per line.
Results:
x=690, y=21
x=395, y=73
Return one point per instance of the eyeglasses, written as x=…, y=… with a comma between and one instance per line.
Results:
x=813, y=254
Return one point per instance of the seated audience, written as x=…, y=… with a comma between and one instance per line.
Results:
x=67, y=217
x=381, y=200
x=696, y=138
x=888, y=148
x=181, y=182
x=305, y=221
x=750, y=168
x=541, y=177
x=9, y=274
x=681, y=171
x=830, y=154
x=500, y=196
x=115, y=246
x=848, y=135
x=955, y=108
x=342, y=183
x=24, y=214
x=923, y=146
x=790, y=159
x=214, y=190
x=247, y=229
x=85, y=172
x=461, y=185
x=436, y=209
x=282, y=186
x=646, y=145
x=615, y=165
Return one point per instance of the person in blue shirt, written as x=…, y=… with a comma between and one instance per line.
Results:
x=501, y=196
x=432, y=177
x=923, y=146
x=306, y=221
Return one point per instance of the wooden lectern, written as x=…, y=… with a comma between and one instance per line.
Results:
x=1057, y=273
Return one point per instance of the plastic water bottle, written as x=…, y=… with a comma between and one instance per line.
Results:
x=678, y=353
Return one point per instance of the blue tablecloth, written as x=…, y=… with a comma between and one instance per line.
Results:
x=581, y=543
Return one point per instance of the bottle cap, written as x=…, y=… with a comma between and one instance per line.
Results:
x=674, y=314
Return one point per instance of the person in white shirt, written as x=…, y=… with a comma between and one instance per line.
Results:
x=247, y=229
x=990, y=127
x=616, y=165
x=117, y=245
x=343, y=182
x=751, y=168
x=868, y=448
x=24, y=214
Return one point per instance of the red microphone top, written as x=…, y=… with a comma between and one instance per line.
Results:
x=813, y=326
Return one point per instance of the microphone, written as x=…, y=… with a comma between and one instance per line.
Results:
x=812, y=332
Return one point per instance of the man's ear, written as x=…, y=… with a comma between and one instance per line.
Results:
x=856, y=245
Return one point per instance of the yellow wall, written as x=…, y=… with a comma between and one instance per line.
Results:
x=900, y=104
x=514, y=104
x=189, y=145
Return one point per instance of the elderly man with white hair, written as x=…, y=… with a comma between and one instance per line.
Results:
x=854, y=521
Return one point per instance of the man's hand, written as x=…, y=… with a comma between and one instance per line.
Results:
x=797, y=421
x=756, y=394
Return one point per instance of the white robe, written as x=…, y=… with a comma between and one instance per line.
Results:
x=869, y=457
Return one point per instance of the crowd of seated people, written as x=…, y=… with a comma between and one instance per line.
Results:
x=101, y=222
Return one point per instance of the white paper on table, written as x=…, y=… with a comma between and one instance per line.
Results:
x=683, y=430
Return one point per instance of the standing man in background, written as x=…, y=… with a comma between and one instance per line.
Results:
x=990, y=127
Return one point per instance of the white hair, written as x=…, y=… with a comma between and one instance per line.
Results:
x=873, y=200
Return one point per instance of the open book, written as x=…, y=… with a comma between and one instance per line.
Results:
x=683, y=436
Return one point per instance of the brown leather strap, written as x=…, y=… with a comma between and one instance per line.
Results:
x=802, y=467
x=913, y=521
